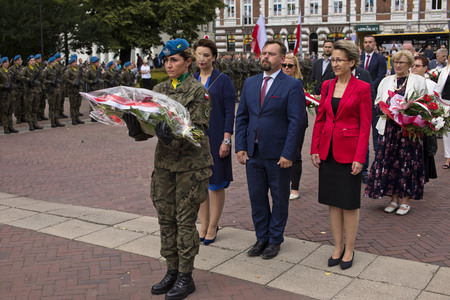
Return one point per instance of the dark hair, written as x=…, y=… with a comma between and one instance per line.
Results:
x=328, y=41
x=423, y=59
x=369, y=36
x=208, y=44
x=350, y=49
x=279, y=43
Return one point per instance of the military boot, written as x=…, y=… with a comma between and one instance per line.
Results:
x=79, y=121
x=74, y=122
x=12, y=129
x=59, y=123
x=182, y=287
x=6, y=129
x=30, y=126
x=36, y=126
x=53, y=123
x=166, y=283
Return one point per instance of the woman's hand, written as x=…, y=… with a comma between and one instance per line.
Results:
x=315, y=158
x=356, y=168
x=224, y=150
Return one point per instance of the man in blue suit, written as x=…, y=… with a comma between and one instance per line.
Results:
x=375, y=64
x=268, y=121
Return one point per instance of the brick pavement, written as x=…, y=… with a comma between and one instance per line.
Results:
x=99, y=166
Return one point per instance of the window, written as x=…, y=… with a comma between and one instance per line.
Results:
x=248, y=43
x=314, y=7
x=291, y=40
x=436, y=4
x=230, y=8
x=291, y=7
x=277, y=7
x=277, y=36
x=247, y=12
x=338, y=6
x=369, y=6
x=231, y=43
x=399, y=5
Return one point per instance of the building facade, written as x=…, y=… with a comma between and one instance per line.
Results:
x=326, y=19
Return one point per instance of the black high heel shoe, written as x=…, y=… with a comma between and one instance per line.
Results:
x=347, y=264
x=207, y=241
x=335, y=261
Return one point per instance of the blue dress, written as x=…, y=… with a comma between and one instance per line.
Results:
x=221, y=120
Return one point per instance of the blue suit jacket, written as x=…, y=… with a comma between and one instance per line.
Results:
x=278, y=121
x=377, y=68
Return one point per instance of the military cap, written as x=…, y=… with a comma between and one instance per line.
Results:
x=173, y=47
x=72, y=59
x=4, y=59
x=37, y=56
x=127, y=64
x=74, y=56
x=109, y=64
x=94, y=59
x=30, y=57
x=17, y=57
x=57, y=55
x=51, y=59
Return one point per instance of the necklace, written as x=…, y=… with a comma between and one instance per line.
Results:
x=396, y=89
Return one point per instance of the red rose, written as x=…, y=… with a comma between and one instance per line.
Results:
x=308, y=102
x=427, y=98
x=433, y=106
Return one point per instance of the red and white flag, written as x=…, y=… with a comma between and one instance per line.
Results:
x=298, y=36
x=259, y=36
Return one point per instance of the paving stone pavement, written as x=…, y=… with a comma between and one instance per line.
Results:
x=97, y=166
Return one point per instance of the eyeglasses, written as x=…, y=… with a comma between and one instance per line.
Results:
x=287, y=65
x=400, y=62
x=338, y=60
x=418, y=66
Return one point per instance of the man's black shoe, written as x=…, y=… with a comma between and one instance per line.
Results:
x=182, y=287
x=36, y=126
x=257, y=249
x=271, y=251
x=166, y=283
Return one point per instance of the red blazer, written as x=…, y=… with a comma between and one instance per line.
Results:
x=350, y=129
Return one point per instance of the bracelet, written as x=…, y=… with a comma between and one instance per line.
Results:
x=227, y=141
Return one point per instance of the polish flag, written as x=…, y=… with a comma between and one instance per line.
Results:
x=259, y=36
x=298, y=37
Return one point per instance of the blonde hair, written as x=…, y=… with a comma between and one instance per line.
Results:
x=397, y=55
x=297, y=71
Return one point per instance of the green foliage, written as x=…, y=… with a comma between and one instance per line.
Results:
x=158, y=76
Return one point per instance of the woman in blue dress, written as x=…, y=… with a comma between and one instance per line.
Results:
x=220, y=130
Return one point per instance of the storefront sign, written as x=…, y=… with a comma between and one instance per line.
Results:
x=367, y=28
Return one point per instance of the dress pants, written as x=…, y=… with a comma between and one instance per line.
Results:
x=262, y=175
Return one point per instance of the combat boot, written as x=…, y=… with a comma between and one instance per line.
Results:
x=6, y=129
x=31, y=126
x=19, y=120
x=58, y=123
x=182, y=287
x=79, y=121
x=166, y=283
x=36, y=126
x=74, y=122
x=12, y=129
x=44, y=118
x=53, y=124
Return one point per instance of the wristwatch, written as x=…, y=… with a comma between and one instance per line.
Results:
x=227, y=141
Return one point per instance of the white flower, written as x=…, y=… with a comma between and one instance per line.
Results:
x=438, y=122
x=446, y=111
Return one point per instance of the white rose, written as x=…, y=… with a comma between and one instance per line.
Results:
x=446, y=111
x=438, y=122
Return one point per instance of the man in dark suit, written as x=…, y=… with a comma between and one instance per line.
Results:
x=322, y=70
x=375, y=64
x=268, y=121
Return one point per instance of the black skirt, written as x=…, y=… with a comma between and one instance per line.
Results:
x=337, y=186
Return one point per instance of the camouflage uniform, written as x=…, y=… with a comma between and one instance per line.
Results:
x=244, y=72
x=110, y=77
x=51, y=79
x=6, y=98
x=72, y=74
x=18, y=93
x=62, y=91
x=41, y=109
x=127, y=78
x=225, y=66
x=306, y=68
x=180, y=178
x=253, y=67
x=92, y=78
x=32, y=92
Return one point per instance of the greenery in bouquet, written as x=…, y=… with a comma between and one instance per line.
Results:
x=311, y=102
x=434, y=74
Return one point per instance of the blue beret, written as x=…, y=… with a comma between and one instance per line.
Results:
x=173, y=47
x=17, y=57
x=74, y=56
x=94, y=59
x=30, y=57
x=4, y=58
x=71, y=60
x=127, y=64
x=109, y=64
x=37, y=56
x=57, y=55
x=51, y=59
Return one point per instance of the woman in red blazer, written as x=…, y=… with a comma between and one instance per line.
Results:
x=339, y=146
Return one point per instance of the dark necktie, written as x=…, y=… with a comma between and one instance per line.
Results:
x=263, y=90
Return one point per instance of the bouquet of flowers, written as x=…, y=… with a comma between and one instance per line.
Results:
x=311, y=103
x=149, y=107
x=434, y=74
x=418, y=116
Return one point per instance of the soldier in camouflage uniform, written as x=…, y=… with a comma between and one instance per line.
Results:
x=74, y=83
x=30, y=78
x=6, y=97
x=236, y=70
x=244, y=71
x=180, y=177
x=111, y=76
x=127, y=77
x=59, y=64
x=51, y=79
x=41, y=67
x=18, y=89
x=92, y=77
x=253, y=65
x=225, y=64
x=306, y=68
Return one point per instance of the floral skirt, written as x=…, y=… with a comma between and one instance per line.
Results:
x=398, y=167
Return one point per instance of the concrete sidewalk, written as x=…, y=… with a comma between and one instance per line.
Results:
x=300, y=267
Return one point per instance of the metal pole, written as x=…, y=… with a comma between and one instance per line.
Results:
x=42, y=34
x=418, y=17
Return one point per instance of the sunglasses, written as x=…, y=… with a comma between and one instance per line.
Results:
x=287, y=65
